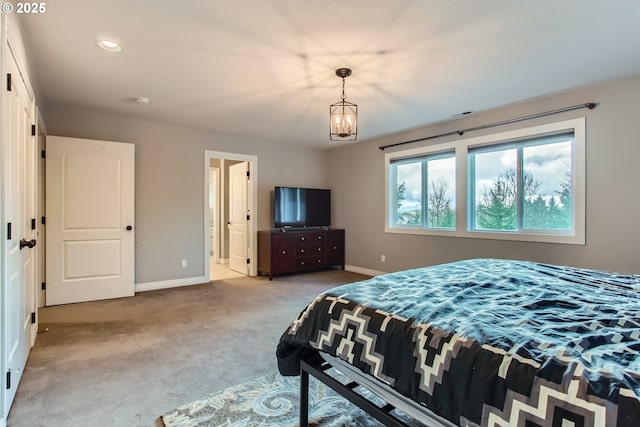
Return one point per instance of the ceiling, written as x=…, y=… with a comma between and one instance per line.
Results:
x=266, y=68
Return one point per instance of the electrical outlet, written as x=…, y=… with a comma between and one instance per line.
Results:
x=383, y=258
x=184, y=263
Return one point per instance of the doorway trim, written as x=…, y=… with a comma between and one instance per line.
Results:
x=41, y=255
x=252, y=204
x=214, y=175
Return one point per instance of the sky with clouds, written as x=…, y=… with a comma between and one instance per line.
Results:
x=547, y=163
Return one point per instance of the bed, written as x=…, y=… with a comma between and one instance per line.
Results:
x=481, y=342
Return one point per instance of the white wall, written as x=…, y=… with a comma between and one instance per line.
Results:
x=356, y=173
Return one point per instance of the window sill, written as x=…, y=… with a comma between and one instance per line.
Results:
x=566, y=239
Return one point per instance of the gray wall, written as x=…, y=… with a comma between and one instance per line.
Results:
x=356, y=175
x=170, y=193
x=169, y=184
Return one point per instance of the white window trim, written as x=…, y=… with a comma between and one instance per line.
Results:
x=461, y=148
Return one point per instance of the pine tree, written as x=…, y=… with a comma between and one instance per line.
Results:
x=566, y=200
x=440, y=214
x=497, y=205
x=535, y=213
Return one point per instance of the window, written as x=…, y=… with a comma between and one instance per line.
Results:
x=423, y=192
x=526, y=184
x=523, y=186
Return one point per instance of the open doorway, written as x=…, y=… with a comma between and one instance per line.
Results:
x=230, y=215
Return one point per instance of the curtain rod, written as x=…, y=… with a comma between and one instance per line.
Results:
x=589, y=105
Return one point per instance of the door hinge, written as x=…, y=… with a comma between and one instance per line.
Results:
x=8, y=382
x=42, y=154
x=9, y=82
x=8, y=231
x=33, y=130
x=248, y=261
x=248, y=217
x=43, y=286
x=43, y=221
x=33, y=223
x=33, y=318
x=248, y=174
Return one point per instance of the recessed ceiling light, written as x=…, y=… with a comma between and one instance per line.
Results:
x=109, y=45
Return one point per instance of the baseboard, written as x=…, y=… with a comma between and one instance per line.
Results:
x=365, y=271
x=34, y=332
x=164, y=284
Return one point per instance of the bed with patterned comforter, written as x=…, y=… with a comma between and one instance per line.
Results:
x=486, y=341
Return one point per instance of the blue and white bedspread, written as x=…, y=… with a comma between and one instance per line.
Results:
x=487, y=342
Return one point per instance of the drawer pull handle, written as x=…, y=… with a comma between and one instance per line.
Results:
x=319, y=237
x=319, y=249
x=319, y=261
x=301, y=262
x=301, y=251
x=284, y=252
x=302, y=238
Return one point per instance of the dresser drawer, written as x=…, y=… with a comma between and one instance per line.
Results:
x=310, y=237
x=282, y=254
x=310, y=262
x=334, y=252
x=310, y=249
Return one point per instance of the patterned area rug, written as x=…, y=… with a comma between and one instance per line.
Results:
x=271, y=401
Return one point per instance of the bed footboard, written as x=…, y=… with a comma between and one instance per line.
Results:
x=381, y=413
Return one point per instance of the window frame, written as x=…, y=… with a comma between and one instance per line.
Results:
x=424, y=204
x=464, y=204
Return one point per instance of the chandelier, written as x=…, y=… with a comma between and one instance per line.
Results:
x=343, y=115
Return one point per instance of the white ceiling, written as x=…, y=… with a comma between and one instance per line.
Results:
x=266, y=68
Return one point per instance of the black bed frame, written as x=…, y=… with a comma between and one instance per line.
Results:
x=381, y=413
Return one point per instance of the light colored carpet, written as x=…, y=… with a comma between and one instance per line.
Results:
x=273, y=401
x=124, y=362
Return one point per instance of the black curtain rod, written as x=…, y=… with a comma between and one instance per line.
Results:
x=589, y=105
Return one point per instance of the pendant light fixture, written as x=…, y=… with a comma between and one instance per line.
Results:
x=343, y=115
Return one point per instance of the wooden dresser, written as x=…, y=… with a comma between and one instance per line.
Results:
x=291, y=251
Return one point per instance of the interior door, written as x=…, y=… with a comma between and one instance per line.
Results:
x=19, y=213
x=90, y=219
x=238, y=218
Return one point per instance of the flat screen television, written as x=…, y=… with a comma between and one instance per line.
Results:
x=302, y=207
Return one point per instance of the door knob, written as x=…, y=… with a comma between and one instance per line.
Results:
x=28, y=243
x=129, y=228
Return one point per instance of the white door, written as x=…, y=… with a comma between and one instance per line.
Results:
x=90, y=213
x=238, y=217
x=19, y=214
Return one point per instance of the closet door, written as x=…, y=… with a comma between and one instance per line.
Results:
x=19, y=170
x=90, y=220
